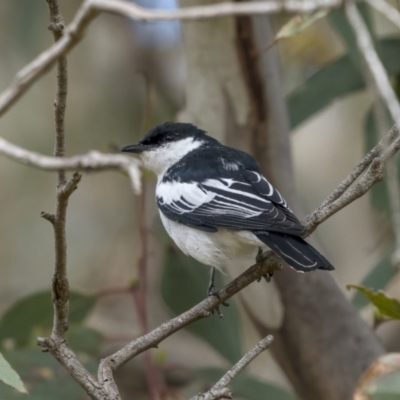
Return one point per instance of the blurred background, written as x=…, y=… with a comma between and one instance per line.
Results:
x=125, y=77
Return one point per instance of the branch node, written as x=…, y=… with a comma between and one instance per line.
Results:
x=48, y=217
x=56, y=28
x=67, y=189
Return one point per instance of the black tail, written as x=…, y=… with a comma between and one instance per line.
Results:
x=295, y=251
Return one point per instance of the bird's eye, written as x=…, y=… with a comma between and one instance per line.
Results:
x=168, y=138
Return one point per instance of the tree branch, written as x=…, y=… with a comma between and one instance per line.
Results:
x=60, y=285
x=213, y=11
x=91, y=8
x=220, y=389
x=66, y=357
x=91, y=161
x=202, y=310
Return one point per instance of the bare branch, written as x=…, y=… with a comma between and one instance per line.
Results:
x=91, y=8
x=91, y=161
x=65, y=356
x=386, y=9
x=212, y=11
x=60, y=285
x=201, y=310
x=220, y=390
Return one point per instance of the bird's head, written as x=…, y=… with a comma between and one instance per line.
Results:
x=166, y=144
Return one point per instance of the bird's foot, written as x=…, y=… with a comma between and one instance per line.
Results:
x=274, y=266
x=212, y=291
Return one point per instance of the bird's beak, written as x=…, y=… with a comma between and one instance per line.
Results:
x=136, y=148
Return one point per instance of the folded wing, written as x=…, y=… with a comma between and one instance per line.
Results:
x=242, y=199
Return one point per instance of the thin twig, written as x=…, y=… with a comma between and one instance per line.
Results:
x=386, y=9
x=89, y=10
x=202, y=310
x=220, y=389
x=60, y=285
x=66, y=357
x=91, y=161
x=213, y=11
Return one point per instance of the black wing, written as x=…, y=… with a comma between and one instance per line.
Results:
x=241, y=199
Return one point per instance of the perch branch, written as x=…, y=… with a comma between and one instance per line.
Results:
x=152, y=339
x=220, y=389
x=89, y=10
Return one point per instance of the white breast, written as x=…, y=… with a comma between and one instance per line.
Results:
x=214, y=249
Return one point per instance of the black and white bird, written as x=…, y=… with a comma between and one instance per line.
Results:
x=216, y=205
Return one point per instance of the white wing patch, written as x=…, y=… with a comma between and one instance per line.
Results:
x=190, y=195
x=187, y=197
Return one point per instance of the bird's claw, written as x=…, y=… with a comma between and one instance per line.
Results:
x=261, y=259
x=213, y=292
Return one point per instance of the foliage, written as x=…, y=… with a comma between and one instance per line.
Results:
x=9, y=376
x=386, y=305
x=377, y=278
x=336, y=80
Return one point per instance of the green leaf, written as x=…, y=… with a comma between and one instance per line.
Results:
x=387, y=306
x=9, y=376
x=244, y=386
x=34, y=313
x=299, y=23
x=378, y=278
x=184, y=284
x=335, y=80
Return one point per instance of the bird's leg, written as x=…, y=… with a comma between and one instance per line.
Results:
x=211, y=291
x=260, y=260
x=211, y=287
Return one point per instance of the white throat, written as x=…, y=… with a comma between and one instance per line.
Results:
x=160, y=159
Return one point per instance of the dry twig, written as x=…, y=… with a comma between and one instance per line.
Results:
x=60, y=285
x=89, y=10
x=220, y=389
